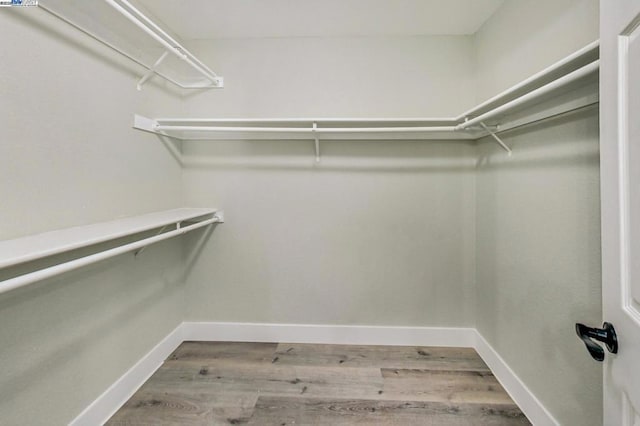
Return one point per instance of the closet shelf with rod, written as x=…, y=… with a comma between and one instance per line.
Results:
x=169, y=223
x=125, y=29
x=566, y=85
x=589, y=54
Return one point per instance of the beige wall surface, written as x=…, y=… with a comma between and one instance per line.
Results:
x=69, y=157
x=378, y=232
x=429, y=76
x=538, y=260
x=538, y=221
x=357, y=240
x=524, y=37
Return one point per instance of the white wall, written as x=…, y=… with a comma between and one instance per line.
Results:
x=538, y=216
x=379, y=232
x=69, y=157
x=337, y=77
x=343, y=243
x=538, y=260
x=523, y=37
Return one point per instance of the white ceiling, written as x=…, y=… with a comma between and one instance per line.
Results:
x=206, y=19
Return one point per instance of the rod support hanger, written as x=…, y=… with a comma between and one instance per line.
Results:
x=44, y=245
x=153, y=30
x=219, y=215
x=152, y=71
x=218, y=82
x=497, y=139
x=317, y=141
x=140, y=250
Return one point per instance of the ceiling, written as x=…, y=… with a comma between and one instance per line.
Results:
x=207, y=19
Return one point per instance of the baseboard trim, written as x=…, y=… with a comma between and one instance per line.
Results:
x=517, y=390
x=113, y=398
x=329, y=334
x=118, y=393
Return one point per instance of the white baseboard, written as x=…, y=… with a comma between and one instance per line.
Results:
x=118, y=393
x=329, y=334
x=517, y=390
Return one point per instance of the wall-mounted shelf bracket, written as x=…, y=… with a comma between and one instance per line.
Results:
x=140, y=250
x=113, y=31
x=562, y=87
x=30, y=248
x=145, y=124
x=317, y=141
x=219, y=215
x=497, y=139
x=218, y=82
x=151, y=72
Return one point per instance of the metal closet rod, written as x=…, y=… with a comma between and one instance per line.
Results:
x=549, y=87
x=458, y=122
x=135, y=16
x=541, y=74
x=161, y=127
x=508, y=128
x=161, y=36
x=31, y=277
x=466, y=125
x=307, y=120
x=195, y=124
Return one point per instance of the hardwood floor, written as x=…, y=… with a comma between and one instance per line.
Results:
x=222, y=383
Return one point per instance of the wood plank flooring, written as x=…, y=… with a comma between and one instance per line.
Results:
x=224, y=383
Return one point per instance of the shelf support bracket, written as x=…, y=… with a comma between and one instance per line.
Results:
x=140, y=250
x=152, y=70
x=497, y=139
x=219, y=215
x=315, y=136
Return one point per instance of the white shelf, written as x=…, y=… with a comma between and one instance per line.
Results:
x=33, y=247
x=190, y=129
x=21, y=250
x=124, y=28
x=571, y=82
x=576, y=60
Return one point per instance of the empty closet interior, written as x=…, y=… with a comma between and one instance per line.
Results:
x=378, y=172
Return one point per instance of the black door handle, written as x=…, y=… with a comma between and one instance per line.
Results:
x=606, y=335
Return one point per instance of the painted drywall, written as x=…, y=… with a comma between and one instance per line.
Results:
x=69, y=157
x=337, y=77
x=538, y=260
x=378, y=232
x=538, y=255
x=538, y=223
x=524, y=37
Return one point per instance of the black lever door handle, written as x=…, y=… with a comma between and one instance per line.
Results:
x=606, y=335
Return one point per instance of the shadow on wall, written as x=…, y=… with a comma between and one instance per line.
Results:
x=536, y=144
x=538, y=255
x=39, y=20
x=352, y=155
x=50, y=323
x=193, y=244
x=398, y=155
